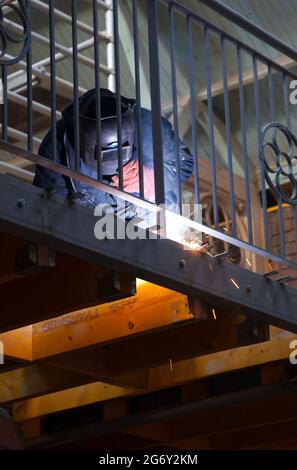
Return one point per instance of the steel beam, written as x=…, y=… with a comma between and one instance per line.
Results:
x=42, y=292
x=70, y=228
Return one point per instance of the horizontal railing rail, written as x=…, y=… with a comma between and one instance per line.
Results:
x=229, y=106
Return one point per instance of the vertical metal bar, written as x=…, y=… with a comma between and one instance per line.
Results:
x=5, y=103
x=138, y=98
x=97, y=90
x=272, y=114
x=281, y=227
x=75, y=85
x=29, y=84
x=53, y=78
x=174, y=103
x=228, y=137
x=258, y=124
x=156, y=102
x=110, y=46
x=193, y=112
x=271, y=93
x=211, y=131
x=118, y=92
x=286, y=99
x=244, y=148
x=294, y=210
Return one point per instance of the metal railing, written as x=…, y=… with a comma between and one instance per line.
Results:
x=235, y=99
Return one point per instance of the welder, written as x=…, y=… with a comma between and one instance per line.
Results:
x=91, y=196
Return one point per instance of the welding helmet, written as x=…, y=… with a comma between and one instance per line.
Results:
x=109, y=136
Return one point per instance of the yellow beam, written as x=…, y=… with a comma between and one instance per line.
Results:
x=277, y=348
x=37, y=379
x=152, y=307
x=18, y=343
x=66, y=399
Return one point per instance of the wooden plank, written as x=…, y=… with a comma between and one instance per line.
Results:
x=152, y=307
x=66, y=399
x=277, y=348
x=37, y=379
x=165, y=345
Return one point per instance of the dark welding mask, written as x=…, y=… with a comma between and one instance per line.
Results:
x=109, y=139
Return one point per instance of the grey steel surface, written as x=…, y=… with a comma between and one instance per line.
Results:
x=70, y=228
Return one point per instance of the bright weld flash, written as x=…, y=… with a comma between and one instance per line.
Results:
x=214, y=313
x=192, y=244
x=234, y=283
x=183, y=230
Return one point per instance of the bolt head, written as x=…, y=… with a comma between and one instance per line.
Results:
x=21, y=203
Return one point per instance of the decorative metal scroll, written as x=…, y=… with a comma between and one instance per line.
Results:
x=6, y=38
x=280, y=160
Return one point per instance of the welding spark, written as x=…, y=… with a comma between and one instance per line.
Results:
x=221, y=255
x=248, y=262
x=214, y=313
x=234, y=283
x=211, y=267
x=170, y=365
x=270, y=267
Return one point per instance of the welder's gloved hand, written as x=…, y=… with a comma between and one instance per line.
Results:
x=131, y=180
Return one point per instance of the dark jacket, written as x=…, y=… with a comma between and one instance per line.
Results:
x=49, y=179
